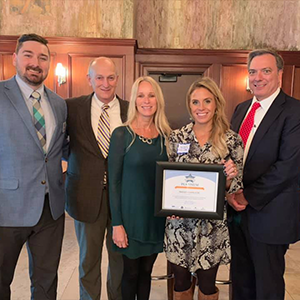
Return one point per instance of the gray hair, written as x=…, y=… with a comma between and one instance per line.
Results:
x=259, y=52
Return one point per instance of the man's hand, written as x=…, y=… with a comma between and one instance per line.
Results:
x=240, y=198
x=234, y=203
x=119, y=236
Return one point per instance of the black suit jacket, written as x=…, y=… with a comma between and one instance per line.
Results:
x=86, y=164
x=271, y=172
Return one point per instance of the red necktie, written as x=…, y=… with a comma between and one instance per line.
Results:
x=248, y=123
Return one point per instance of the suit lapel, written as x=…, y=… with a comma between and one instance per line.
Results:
x=240, y=115
x=57, y=121
x=123, y=109
x=271, y=115
x=86, y=123
x=15, y=96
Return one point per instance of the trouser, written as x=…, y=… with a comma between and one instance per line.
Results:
x=44, y=242
x=90, y=238
x=257, y=268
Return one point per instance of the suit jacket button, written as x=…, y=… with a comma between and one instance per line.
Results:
x=46, y=159
x=43, y=182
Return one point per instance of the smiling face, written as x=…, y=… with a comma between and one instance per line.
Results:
x=202, y=106
x=146, y=103
x=103, y=79
x=264, y=77
x=32, y=63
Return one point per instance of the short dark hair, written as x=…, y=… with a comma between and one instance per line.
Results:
x=31, y=37
x=259, y=52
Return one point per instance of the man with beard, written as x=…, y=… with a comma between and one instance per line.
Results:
x=32, y=140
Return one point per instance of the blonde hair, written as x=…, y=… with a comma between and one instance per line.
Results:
x=220, y=123
x=160, y=120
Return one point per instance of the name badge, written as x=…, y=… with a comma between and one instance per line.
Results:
x=183, y=148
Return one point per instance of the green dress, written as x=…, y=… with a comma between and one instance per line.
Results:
x=131, y=177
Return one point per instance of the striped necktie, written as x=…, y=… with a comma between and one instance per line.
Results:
x=38, y=118
x=103, y=132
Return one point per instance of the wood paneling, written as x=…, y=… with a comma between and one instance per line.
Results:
x=296, y=85
x=287, y=79
x=8, y=68
x=233, y=86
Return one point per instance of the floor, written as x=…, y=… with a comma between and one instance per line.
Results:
x=68, y=273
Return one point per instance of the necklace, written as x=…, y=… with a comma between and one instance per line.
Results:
x=145, y=140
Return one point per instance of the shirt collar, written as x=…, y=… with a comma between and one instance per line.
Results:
x=266, y=103
x=26, y=89
x=111, y=104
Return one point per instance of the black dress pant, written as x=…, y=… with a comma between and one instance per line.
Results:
x=44, y=242
x=257, y=268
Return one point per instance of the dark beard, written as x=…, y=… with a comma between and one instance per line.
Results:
x=33, y=80
x=36, y=82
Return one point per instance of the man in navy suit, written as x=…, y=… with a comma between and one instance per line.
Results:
x=32, y=139
x=264, y=218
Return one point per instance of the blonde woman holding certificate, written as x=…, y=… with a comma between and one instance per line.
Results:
x=200, y=245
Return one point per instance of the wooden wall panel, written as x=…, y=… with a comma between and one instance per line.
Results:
x=287, y=79
x=8, y=68
x=296, y=85
x=233, y=86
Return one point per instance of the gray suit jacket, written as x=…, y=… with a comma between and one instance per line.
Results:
x=23, y=165
x=86, y=164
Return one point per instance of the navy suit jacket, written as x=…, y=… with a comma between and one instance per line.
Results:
x=271, y=172
x=23, y=165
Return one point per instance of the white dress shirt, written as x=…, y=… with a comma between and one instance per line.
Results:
x=114, y=113
x=258, y=117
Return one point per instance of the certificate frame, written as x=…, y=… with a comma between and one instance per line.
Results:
x=213, y=192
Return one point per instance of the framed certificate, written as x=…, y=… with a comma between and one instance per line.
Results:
x=190, y=190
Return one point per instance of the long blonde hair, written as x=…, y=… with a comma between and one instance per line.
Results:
x=220, y=123
x=160, y=120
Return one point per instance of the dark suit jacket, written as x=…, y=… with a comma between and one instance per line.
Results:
x=271, y=172
x=86, y=164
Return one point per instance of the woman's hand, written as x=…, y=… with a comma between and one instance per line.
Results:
x=119, y=236
x=230, y=171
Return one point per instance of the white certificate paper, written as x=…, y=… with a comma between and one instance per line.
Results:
x=190, y=190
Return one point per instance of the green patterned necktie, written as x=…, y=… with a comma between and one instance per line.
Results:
x=38, y=118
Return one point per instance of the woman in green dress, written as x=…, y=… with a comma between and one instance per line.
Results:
x=134, y=150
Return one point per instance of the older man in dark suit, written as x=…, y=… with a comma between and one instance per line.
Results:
x=32, y=139
x=265, y=217
x=91, y=120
